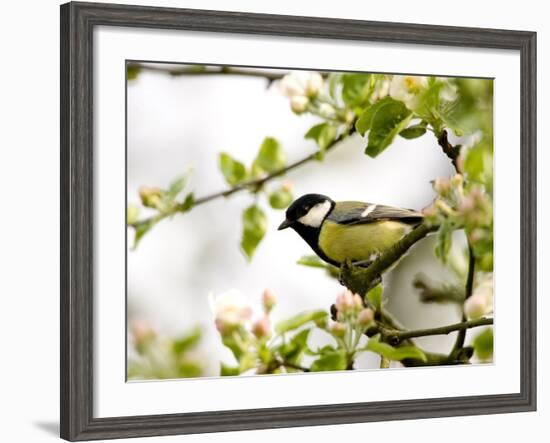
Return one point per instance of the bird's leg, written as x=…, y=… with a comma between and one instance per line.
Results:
x=352, y=278
x=366, y=263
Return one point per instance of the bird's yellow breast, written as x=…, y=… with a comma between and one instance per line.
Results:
x=359, y=242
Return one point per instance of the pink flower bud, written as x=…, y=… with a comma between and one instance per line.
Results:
x=441, y=186
x=223, y=327
x=365, y=317
x=344, y=301
x=287, y=186
x=150, y=196
x=348, y=302
x=269, y=300
x=314, y=84
x=262, y=328
x=476, y=235
x=429, y=212
x=475, y=307
x=357, y=301
x=141, y=331
x=298, y=103
x=460, y=162
x=457, y=180
x=338, y=329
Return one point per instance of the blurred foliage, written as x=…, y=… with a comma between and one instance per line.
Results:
x=483, y=345
x=153, y=357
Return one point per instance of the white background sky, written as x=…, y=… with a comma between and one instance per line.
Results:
x=29, y=254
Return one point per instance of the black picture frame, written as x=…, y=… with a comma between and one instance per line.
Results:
x=77, y=23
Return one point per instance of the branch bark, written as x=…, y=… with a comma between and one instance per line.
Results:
x=248, y=185
x=450, y=151
x=461, y=337
x=210, y=70
x=394, y=337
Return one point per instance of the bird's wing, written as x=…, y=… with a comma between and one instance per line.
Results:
x=352, y=213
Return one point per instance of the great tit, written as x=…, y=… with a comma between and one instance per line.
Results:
x=349, y=230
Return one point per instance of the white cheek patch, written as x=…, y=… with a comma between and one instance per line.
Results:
x=316, y=215
x=368, y=210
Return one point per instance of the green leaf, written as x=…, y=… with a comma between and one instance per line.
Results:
x=387, y=122
x=364, y=121
x=175, y=187
x=444, y=242
x=189, y=369
x=374, y=296
x=132, y=214
x=293, y=350
x=271, y=156
x=188, y=202
x=312, y=261
x=227, y=371
x=254, y=229
x=357, y=88
x=414, y=131
x=233, y=170
x=334, y=81
x=315, y=262
x=330, y=361
x=280, y=199
x=483, y=345
x=188, y=341
x=324, y=135
x=234, y=346
x=141, y=229
x=396, y=354
x=299, y=320
x=478, y=164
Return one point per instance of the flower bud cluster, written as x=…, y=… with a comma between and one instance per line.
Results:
x=233, y=314
x=469, y=206
x=301, y=87
x=151, y=197
x=351, y=312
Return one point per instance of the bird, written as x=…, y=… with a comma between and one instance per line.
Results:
x=348, y=231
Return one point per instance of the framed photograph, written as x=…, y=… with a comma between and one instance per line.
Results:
x=273, y=221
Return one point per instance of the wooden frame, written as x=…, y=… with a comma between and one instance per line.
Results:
x=77, y=23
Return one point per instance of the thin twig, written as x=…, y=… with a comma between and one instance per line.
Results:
x=450, y=151
x=396, y=337
x=247, y=185
x=292, y=366
x=435, y=292
x=361, y=280
x=384, y=362
x=461, y=337
x=198, y=70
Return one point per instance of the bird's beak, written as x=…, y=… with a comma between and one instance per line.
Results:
x=285, y=224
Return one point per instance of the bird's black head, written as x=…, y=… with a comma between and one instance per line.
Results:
x=307, y=211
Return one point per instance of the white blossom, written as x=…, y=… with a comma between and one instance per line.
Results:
x=230, y=309
x=298, y=103
x=301, y=83
x=327, y=110
x=314, y=83
x=381, y=89
x=480, y=302
x=406, y=89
